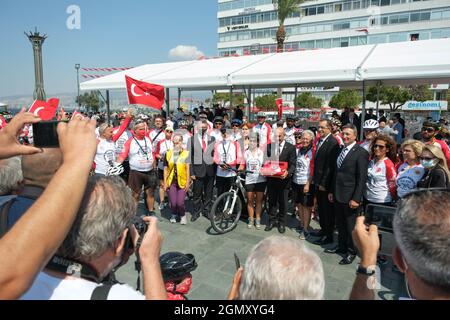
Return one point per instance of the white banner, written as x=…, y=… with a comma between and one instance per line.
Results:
x=425, y=106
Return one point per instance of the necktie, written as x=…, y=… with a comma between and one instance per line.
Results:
x=342, y=157
x=203, y=144
x=280, y=148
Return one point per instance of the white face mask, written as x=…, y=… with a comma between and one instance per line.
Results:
x=429, y=163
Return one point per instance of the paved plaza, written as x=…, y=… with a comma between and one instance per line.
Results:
x=216, y=265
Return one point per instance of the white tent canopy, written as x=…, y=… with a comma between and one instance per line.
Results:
x=425, y=61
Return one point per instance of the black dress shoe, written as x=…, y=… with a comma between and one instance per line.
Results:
x=336, y=250
x=348, y=259
x=281, y=228
x=317, y=233
x=325, y=240
x=269, y=227
x=194, y=217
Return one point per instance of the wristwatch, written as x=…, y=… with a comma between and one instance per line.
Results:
x=365, y=271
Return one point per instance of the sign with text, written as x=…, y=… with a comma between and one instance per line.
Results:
x=425, y=106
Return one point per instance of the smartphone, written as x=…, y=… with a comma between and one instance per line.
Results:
x=45, y=134
x=382, y=217
x=236, y=260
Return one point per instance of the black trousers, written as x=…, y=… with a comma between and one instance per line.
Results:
x=223, y=184
x=278, y=195
x=326, y=213
x=345, y=222
x=202, y=194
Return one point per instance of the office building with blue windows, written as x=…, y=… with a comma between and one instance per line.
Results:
x=249, y=26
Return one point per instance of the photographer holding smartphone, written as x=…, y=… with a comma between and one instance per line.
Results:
x=421, y=228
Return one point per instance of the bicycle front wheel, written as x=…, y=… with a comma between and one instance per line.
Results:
x=225, y=212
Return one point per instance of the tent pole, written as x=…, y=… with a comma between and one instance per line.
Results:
x=249, y=105
x=179, y=98
x=168, y=102
x=108, y=111
x=231, y=97
x=363, y=112
x=295, y=98
x=378, y=99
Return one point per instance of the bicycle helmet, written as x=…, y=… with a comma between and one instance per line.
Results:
x=176, y=265
x=115, y=170
x=236, y=121
x=371, y=124
x=183, y=123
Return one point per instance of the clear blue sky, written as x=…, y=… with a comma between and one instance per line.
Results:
x=113, y=34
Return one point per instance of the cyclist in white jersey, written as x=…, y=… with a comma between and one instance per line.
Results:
x=255, y=184
x=139, y=150
x=156, y=134
x=106, y=155
x=263, y=129
x=370, y=133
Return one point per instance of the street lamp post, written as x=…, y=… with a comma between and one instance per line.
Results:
x=77, y=66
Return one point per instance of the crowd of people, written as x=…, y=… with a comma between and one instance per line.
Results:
x=325, y=171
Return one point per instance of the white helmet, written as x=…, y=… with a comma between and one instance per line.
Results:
x=371, y=124
x=115, y=170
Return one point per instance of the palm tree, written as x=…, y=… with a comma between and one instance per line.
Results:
x=284, y=9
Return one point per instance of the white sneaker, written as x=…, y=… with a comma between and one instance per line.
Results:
x=161, y=207
x=183, y=220
x=173, y=219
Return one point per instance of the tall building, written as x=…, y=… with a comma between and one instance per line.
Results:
x=249, y=26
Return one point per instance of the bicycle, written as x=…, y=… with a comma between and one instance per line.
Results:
x=227, y=208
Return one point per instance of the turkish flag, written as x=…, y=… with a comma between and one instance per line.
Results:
x=279, y=103
x=151, y=95
x=45, y=110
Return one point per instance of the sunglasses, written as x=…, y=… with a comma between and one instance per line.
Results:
x=298, y=137
x=235, y=125
x=369, y=130
x=379, y=146
x=426, y=158
x=429, y=130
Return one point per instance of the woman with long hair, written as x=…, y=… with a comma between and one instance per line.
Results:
x=437, y=174
x=381, y=175
x=255, y=184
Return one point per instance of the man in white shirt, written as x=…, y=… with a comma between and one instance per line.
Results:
x=99, y=241
x=227, y=156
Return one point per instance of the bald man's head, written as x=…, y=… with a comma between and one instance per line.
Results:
x=38, y=169
x=280, y=134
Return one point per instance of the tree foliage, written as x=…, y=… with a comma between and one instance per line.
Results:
x=346, y=98
x=91, y=101
x=224, y=97
x=285, y=8
x=267, y=102
x=307, y=100
x=397, y=96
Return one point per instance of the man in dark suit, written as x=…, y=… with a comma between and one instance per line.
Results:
x=347, y=189
x=203, y=169
x=278, y=188
x=352, y=118
x=324, y=160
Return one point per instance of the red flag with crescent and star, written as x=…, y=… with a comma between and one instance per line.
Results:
x=45, y=110
x=279, y=103
x=151, y=95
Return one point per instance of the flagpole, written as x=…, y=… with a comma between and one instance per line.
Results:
x=108, y=111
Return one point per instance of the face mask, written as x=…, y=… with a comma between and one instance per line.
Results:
x=429, y=163
x=140, y=133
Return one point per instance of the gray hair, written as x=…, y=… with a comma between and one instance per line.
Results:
x=308, y=132
x=106, y=211
x=10, y=175
x=281, y=268
x=103, y=127
x=422, y=229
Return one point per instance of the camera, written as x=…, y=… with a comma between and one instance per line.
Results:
x=45, y=134
x=141, y=227
x=382, y=217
